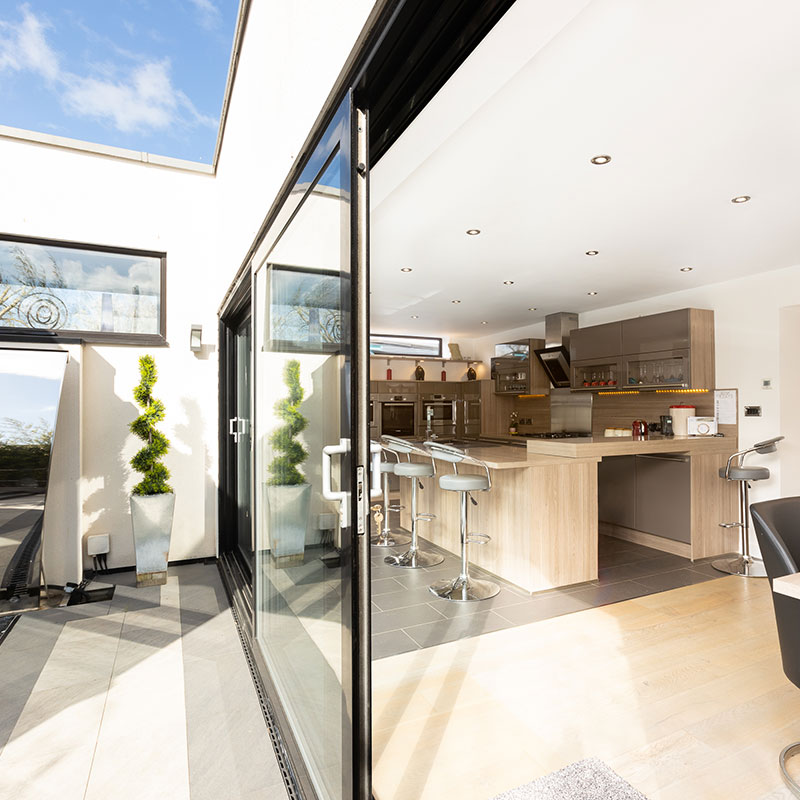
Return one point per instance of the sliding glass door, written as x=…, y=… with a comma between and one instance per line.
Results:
x=311, y=551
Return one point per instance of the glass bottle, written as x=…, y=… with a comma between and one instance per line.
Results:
x=419, y=373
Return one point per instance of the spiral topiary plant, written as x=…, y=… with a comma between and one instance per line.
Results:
x=148, y=459
x=284, y=468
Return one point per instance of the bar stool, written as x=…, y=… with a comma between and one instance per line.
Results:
x=745, y=565
x=463, y=588
x=385, y=537
x=413, y=558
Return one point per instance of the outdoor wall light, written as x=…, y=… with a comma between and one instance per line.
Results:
x=196, y=338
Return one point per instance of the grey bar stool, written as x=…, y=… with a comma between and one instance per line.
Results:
x=463, y=588
x=413, y=558
x=385, y=537
x=745, y=564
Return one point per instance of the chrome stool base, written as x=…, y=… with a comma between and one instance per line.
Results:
x=464, y=590
x=414, y=559
x=746, y=566
x=389, y=539
x=786, y=753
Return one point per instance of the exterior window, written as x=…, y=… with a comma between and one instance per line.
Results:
x=384, y=344
x=97, y=293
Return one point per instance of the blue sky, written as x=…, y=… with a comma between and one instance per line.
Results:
x=142, y=74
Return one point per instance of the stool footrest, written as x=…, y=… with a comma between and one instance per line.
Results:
x=396, y=507
x=730, y=524
x=425, y=517
x=478, y=538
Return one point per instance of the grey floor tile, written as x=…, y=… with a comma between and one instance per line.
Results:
x=404, y=618
x=639, y=569
x=612, y=593
x=405, y=597
x=543, y=608
x=705, y=568
x=385, y=585
x=665, y=581
x=617, y=558
x=461, y=627
x=391, y=643
x=452, y=608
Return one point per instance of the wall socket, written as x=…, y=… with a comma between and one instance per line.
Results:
x=752, y=411
x=766, y=383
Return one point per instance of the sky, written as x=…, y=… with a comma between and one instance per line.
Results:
x=146, y=75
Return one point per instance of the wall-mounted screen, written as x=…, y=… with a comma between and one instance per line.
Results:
x=385, y=344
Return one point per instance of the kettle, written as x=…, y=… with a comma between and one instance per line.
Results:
x=639, y=427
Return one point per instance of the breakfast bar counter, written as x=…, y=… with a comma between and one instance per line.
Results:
x=542, y=510
x=541, y=515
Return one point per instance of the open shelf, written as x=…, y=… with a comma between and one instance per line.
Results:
x=427, y=358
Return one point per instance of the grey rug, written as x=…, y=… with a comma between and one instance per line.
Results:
x=590, y=779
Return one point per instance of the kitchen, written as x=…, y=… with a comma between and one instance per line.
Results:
x=565, y=459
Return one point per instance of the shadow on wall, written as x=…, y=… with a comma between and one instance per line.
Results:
x=107, y=447
x=192, y=478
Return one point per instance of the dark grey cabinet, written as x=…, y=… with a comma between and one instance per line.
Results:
x=650, y=493
x=596, y=342
x=663, y=496
x=616, y=483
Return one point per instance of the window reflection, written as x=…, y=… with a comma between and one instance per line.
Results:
x=31, y=382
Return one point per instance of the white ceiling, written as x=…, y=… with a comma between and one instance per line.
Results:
x=696, y=101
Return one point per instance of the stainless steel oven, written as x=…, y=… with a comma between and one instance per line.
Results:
x=439, y=415
x=398, y=417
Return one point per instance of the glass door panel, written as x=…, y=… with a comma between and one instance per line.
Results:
x=241, y=428
x=304, y=428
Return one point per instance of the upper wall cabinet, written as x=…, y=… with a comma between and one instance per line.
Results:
x=673, y=350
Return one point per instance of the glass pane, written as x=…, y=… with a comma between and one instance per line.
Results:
x=303, y=557
x=50, y=287
x=29, y=400
x=657, y=371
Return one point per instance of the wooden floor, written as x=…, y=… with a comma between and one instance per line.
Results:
x=681, y=693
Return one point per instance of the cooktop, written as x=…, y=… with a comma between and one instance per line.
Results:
x=557, y=435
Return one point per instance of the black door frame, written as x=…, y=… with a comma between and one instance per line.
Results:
x=406, y=52
x=235, y=311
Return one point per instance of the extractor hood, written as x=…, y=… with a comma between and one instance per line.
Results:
x=554, y=356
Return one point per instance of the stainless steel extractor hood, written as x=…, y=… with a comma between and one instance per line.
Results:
x=554, y=356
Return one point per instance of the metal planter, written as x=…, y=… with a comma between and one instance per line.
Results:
x=151, y=519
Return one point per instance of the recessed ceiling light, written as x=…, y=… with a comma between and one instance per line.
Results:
x=601, y=159
x=591, y=294
x=531, y=309
x=415, y=316
x=742, y=198
x=456, y=302
x=484, y=322
x=686, y=269
x=592, y=252
x=508, y=283
x=405, y=269
x=473, y=232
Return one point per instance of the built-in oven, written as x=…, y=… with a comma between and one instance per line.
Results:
x=439, y=414
x=398, y=417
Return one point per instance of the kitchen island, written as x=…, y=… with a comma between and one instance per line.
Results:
x=542, y=510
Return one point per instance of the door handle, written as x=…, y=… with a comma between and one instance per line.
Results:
x=375, y=490
x=327, y=486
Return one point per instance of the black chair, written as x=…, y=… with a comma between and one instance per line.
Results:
x=777, y=527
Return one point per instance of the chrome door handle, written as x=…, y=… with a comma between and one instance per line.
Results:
x=375, y=490
x=327, y=486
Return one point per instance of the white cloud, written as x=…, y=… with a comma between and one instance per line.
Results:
x=143, y=99
x=24, y=47
x=208, y=14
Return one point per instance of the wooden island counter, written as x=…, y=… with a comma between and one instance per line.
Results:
x=542, y=510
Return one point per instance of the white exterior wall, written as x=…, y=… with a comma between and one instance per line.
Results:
x=291, y=56
x=751, y=345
